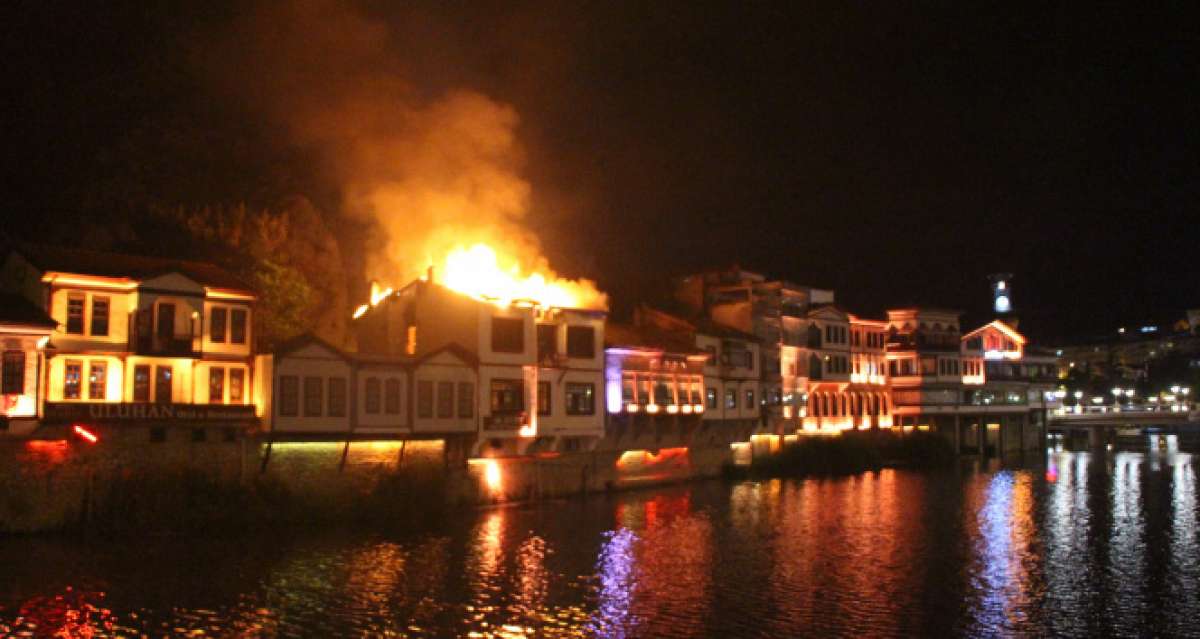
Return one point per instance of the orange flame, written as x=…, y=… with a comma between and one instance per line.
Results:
x=479, y=272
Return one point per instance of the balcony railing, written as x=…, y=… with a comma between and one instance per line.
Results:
x=145, y=340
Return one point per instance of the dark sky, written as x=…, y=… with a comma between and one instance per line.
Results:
x=895, y=154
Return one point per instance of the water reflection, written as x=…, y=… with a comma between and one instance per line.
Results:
x=1079, y=545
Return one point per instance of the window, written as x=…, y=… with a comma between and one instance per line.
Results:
x=543, y=398
x=391, y=396
x=547, y=344
x=141, y=383
x=581, y=342
x=508, y=335
x=337, y=396
x=216, y=324
x=75, y=314
x=695, y=393
x=166, y=321
x=237, y=326
x=371, y=404
x=730, y=398
x=313, y=396
x=662, y=391
x=424, y=398
x=445, y=400
x=711, y=397
x=749, y=398
x=508, y=396
x=14, y=372
x=466, y=399
x=162, y=384
x=581, y=398
x=216, y=385
x=289, y=395
x=97, y=376
x=72, y=373
x=237, y=385
x=100, y=316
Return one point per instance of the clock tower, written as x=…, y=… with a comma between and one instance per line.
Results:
x=1002, y=297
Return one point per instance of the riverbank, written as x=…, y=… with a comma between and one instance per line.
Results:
x=851, y=452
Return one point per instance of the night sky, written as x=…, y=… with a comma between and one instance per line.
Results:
x=897, y=155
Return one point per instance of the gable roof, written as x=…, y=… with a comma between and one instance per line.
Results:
x=136, y=267
x=15, y=309
x=998, y=326
x=300, y=341
x=452, y=348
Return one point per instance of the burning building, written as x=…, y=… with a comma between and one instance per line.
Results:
x=539, y=366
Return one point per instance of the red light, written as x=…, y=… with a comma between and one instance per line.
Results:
x=85, y=433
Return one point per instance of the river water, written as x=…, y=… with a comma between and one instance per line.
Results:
x=1075, y=544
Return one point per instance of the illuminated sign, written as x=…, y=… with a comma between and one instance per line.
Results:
x=92, y=412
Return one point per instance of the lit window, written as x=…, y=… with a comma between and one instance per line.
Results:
x=216, y=385
x=581, y=399
x=72, y=378
x=237, y=385
x=97, y=376
x=141, y=383
x=507, y=396
x=730, y=398
x=162, y=384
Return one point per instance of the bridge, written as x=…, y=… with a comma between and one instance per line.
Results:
x=1102, y=425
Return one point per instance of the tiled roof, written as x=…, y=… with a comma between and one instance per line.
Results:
x=88, y=262
x=15, y=309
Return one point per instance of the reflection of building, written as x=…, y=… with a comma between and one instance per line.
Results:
x=540, y=370
x=24, y=331
x=140, y=341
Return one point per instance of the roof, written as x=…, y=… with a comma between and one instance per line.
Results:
x=453, y=348
x=15, y=309
x=137, y=267
x=697, y=323
x=300, y=341
x=999, y=326
x=626, y=335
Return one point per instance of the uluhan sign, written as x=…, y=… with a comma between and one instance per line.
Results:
x=146, y=412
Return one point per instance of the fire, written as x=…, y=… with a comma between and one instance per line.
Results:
x=378, y=294
x=479, y=272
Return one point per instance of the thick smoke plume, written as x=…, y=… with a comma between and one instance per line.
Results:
x=432, y=172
